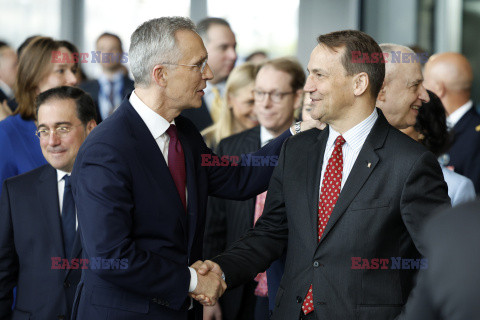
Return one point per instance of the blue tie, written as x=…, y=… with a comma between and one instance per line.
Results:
x=68, y=217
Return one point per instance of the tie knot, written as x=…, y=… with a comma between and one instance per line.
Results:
x=339, y=141
x=67, y=180
x=172, y=131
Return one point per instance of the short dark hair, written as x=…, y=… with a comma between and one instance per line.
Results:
x=205, y=24
x=432, y=124
x=290, y=66
x=108, y=34
x=357, y=41
x=86, y=110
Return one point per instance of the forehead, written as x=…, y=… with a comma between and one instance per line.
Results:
x=219, y=33
x=407, y=73
x=269, y=78
x=325, y=58
x=57, y=110
x=190, y=44
x=108, y=41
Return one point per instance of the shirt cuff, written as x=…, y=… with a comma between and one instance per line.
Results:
x=291, y=131
x=193, y=280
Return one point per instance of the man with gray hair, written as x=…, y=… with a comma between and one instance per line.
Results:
x=141, y=190
x=402, y=93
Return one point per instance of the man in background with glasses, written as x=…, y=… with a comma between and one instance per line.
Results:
x=278, y=93
x=38, y=229
x=141, y=190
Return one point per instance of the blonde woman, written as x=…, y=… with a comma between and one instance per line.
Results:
x=237, y=110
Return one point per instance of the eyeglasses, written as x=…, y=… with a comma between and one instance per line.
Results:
x=201, y=66
x=61, y=132
x=275, y=96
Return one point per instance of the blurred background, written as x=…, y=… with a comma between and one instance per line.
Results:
x=279, y=27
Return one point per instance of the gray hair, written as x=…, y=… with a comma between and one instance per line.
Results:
x=391, y=68
x=154, y=43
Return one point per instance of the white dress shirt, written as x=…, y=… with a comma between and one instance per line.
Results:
x=354, y=140
x=456, y=115
x=158, y=126
x=61, y=190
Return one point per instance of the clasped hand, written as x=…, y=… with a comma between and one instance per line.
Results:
x=210, y=285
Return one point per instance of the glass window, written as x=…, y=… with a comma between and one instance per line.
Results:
x=23, y=18
x=122, y=17
x=269, y=25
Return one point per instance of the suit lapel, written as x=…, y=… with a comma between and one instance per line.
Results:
x=153, y=160
x=48, y=197
x=314, y=173
x=362, y=169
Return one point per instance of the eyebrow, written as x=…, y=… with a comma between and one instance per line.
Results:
x=317, y=70
x=56, y=124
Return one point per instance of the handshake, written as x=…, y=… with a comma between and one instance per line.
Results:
x=210, y=283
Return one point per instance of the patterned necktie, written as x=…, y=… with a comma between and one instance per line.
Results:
x=331, y=184
x=68, y=217
x=262, y=289
x=176, y=164
x=216, y=106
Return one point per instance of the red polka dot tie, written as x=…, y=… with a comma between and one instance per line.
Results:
x=332, y=181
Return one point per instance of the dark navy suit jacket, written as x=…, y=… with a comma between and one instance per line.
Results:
x=92, y=87
x=30, y=235
x=129, y=208
x=464, y=153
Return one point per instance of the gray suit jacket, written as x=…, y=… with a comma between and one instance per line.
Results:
x=394, y=185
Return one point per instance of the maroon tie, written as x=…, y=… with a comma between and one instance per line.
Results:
x=176, y=164
x=332, y=181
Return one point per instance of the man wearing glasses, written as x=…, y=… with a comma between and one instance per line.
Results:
x=140, y=188
x=277, y=93
x=38, y=237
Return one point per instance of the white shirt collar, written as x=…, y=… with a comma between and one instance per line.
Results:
x=456, y=115
x=6, y=89
x=265, y=136
x=356, y=136
x=156, y=124
x=61, y=174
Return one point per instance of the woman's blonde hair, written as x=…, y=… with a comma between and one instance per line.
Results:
x=34, y=65
x=239, y=78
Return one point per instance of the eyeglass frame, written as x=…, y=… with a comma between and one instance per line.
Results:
x=58, y=133
x=201, y=67
x=270, y=94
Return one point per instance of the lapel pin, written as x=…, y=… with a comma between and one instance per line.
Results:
x=477, y=128
x=369, y=165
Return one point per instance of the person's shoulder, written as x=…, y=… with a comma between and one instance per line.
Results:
x=308, y=136
x=30, y=178
x=240, y=136
x=89, y=84
x=403, y=144
x=456, y=219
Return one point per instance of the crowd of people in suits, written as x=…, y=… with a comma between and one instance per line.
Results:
x=370, y=158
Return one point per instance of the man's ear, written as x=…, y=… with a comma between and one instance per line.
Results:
x=382, y=93
x=360, y=83
x=159, y=75
x=90, y=125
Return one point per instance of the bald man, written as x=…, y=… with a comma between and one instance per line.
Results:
x=449, y=75
x=402, y=93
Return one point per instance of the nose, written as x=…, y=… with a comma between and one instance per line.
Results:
x=207, y=73
x=423, y=94
x=309, y=86
x=53, y=139
x=70, y=78
x=232, y=54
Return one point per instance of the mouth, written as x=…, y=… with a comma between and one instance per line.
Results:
x=201, y=92
x=415, y=108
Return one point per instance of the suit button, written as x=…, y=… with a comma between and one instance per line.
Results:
x=316, y=264
x=61, y=317
x=66, y=284
x=299, y=299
